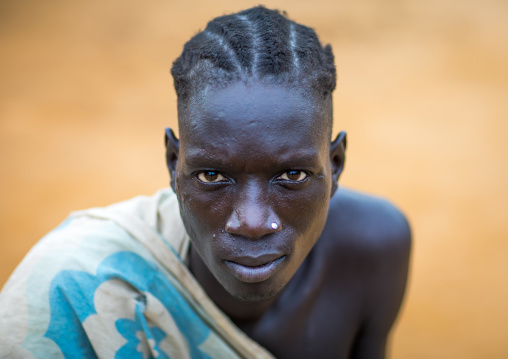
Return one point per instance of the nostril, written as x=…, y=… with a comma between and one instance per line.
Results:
x=230, y=229
x=252, y=220
x=252, y=229
x=233, y=223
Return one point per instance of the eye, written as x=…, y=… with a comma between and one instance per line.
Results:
x=210, y=177
x=294, y=176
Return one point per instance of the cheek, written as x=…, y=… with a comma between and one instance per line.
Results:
x=306, y=210
x=202, y=212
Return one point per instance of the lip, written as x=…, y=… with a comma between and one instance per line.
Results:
x=254, y=273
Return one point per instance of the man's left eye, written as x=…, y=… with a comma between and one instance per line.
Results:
x=294, y=176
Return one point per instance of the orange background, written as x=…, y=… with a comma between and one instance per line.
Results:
x=423, y=93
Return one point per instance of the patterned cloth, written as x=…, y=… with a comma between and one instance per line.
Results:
x=112, y=283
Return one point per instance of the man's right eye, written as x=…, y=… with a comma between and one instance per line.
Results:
x=211, y=177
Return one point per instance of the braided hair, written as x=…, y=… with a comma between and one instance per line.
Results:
x=257, y=43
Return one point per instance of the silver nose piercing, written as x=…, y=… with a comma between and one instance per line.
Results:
x=275, y=225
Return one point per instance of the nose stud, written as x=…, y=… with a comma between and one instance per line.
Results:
x=275, y=225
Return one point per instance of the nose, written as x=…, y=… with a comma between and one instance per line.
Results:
x=252, y=215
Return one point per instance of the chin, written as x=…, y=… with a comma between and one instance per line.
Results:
x=254, y=292
x=256, y=297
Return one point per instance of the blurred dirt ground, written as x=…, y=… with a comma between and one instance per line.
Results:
x=85, y=94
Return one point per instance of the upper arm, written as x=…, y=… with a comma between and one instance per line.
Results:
x=388, y=252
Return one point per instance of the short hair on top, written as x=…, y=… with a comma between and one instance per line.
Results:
x=256, y=43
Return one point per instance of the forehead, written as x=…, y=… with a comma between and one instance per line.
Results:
x=255, y=113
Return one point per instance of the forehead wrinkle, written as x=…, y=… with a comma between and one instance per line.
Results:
x=238, y=149
x=209, y=128
x=231, y=159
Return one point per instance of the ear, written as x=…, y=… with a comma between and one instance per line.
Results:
x=337, y=158
x=172, y=150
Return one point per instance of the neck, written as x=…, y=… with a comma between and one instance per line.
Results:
x=241, y=312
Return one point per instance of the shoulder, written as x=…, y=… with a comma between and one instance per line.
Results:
x=367, y=225
x=369, y=242
x=57, y=286
x=366, y=245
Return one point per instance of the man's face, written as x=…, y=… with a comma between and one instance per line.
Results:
x=253, y=180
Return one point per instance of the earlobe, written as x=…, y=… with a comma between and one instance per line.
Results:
x=337, y=158
x=172, y=150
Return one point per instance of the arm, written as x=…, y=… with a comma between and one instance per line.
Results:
x=386, y=285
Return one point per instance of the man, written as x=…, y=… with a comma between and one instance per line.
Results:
x=258, y=254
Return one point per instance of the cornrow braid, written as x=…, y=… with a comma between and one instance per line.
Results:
x=256, y=43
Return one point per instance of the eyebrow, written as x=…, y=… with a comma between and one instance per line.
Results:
x=299, y=157
x=205, y=160
x=198, y=157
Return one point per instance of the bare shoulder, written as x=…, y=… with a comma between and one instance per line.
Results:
x=366, y=245
x=367, y=225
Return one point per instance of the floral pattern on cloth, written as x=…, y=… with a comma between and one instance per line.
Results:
x=119, y=302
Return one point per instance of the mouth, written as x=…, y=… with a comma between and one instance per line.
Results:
x=254, y=273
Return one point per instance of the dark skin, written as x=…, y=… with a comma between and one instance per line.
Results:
x=328, y=279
